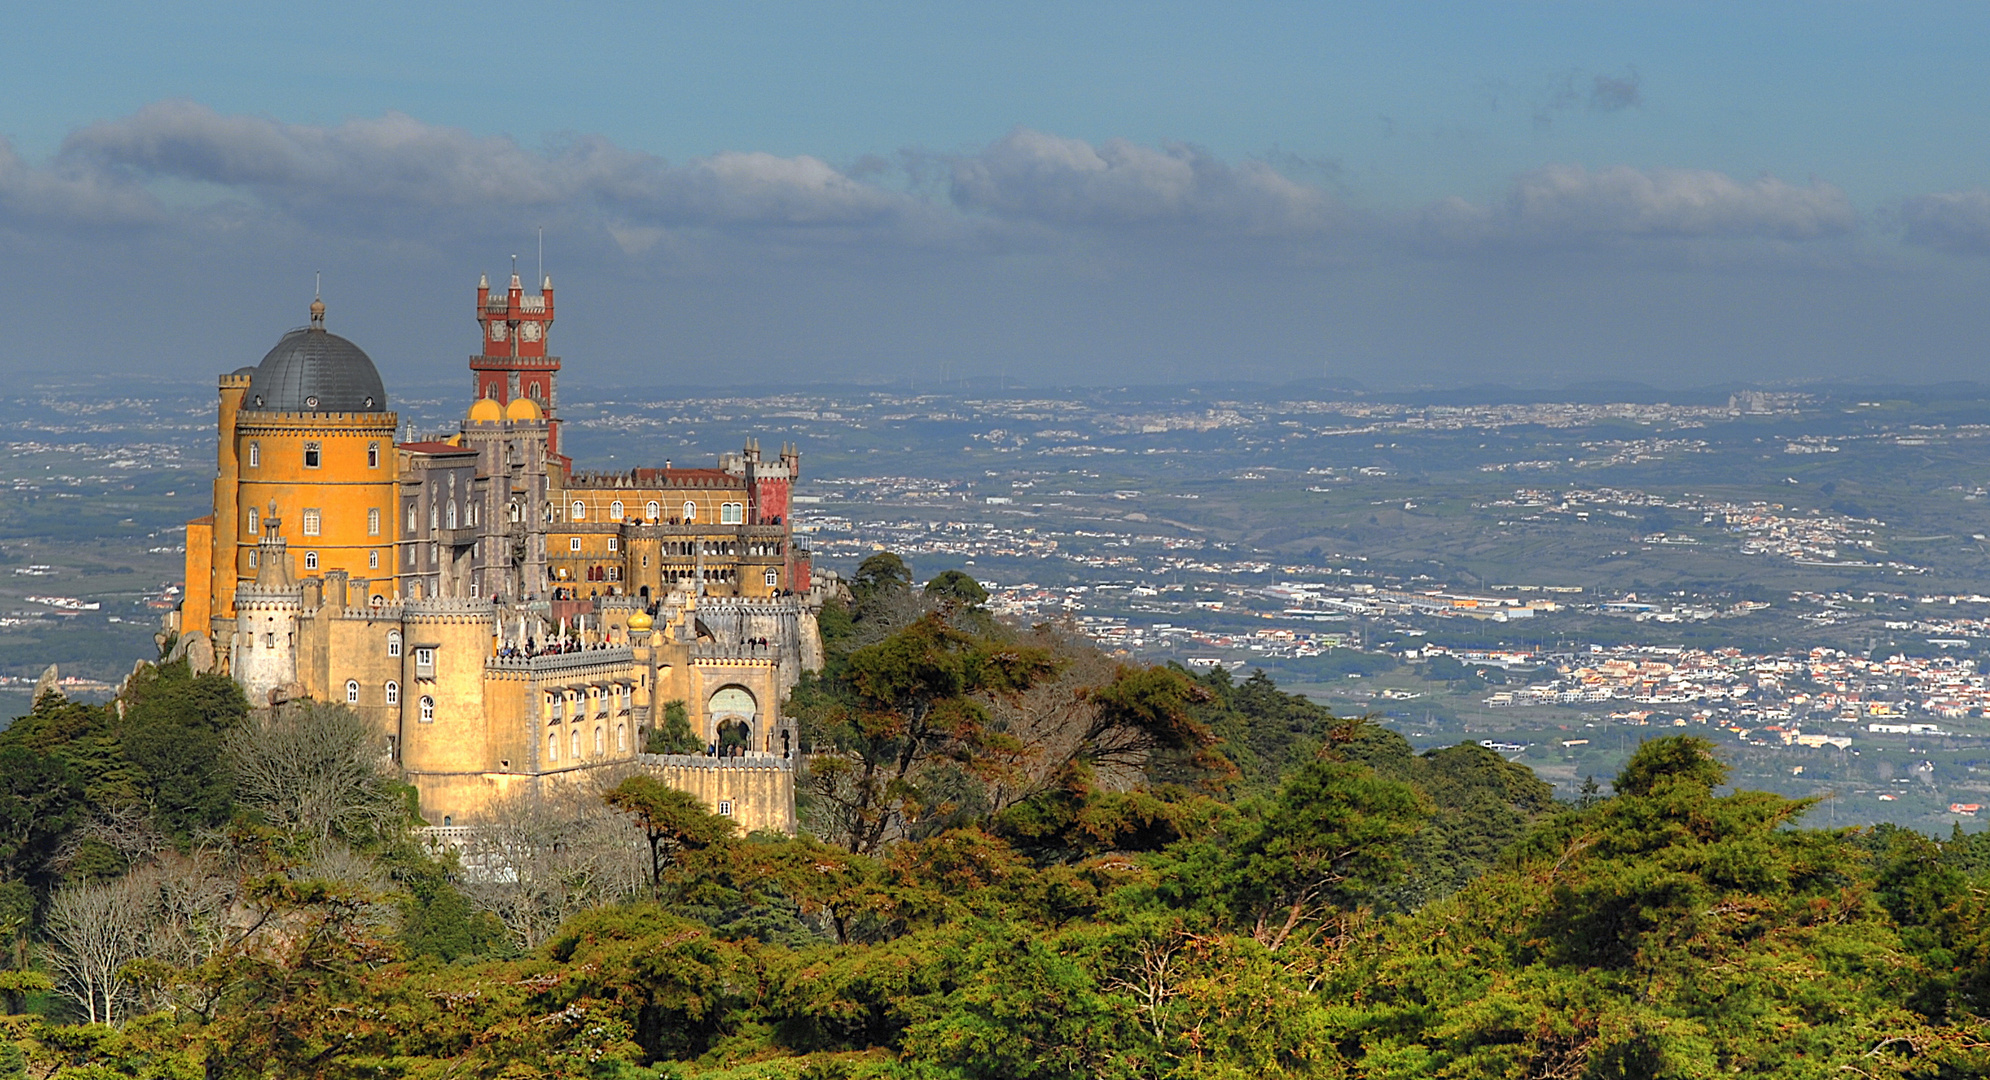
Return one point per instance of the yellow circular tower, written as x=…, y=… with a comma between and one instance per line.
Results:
x=312, y=446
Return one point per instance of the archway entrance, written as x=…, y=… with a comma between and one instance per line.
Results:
x=734, y=735
x=733, y=711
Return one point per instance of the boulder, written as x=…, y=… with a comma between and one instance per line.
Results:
x=47, y=683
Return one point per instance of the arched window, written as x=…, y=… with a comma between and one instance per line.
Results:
x=393, y=643
x=575, y=744
x=773, y=578
x=621, y=737
x=579, y=511
x=427, y=709
x=310, y=560
x=255, y=522
x=652, y=510
x=351, y=692
x=373, y=560
x=553, y=747
x=411, y=518
x=393, y=693
x=452, y=515
x=690, y=510
x=600, y=742
x=615, y=510
x=373, y=522
x=255, y=455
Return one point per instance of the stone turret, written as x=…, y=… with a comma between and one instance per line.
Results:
x=263, y=655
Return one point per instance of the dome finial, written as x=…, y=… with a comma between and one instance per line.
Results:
x=318, y=301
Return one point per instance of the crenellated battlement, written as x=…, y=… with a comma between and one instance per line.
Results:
x=250, y=421
x=583, y=660
x=702, y=761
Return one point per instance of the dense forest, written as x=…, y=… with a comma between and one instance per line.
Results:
x=1022, y=858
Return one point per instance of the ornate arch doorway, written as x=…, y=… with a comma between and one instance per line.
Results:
x=733, y=712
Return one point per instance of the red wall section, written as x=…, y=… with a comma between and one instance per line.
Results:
x=771, y=500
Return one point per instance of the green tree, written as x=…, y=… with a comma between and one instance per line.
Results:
x=673, y=735
x=174, y=728
x=1282, y=868
x=673, y=822
x=882, y=574
x=955, y=588
x=901, y=708
x=41, y=797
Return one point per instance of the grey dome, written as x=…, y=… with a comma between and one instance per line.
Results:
x=314, y=371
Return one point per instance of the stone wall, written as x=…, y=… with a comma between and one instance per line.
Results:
x=756, y=791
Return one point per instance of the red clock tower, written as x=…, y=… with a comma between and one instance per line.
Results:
x=513, y=362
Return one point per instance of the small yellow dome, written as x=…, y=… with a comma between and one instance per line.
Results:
x=486, y=411
x=640, y=621
x=523, y=409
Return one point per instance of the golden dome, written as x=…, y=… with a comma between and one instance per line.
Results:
x=523, y=409
x=640, y=621
x=486, y=411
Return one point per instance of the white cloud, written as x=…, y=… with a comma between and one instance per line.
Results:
x=1567, y=204
x=1045, y=178
x=397, y=163
x=74, y=196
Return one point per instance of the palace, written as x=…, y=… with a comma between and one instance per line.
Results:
x=506, y=622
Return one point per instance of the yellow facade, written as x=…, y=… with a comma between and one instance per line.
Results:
x=331, y=481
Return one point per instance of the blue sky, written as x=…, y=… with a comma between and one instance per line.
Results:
x=1396, y=194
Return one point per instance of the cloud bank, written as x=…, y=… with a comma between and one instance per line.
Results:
x=1090, y=260
x=369, y=172
x=1567, y=204
x=1954, y=221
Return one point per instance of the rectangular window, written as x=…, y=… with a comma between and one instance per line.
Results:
x=425, y=663
x=732, y=513
x=613, y=541
x=313, y=455
x=725, y=807
x=411, y=555
x=573, y=543
x=313, y=523
x=373, y=455
x=373, y=522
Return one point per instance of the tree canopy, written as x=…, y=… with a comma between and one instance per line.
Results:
x=1025, y=858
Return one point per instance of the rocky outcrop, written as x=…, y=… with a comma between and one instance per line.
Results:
x=47, y=684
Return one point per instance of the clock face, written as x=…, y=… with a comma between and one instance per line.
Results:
x=497, y=330
x=530, y=331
